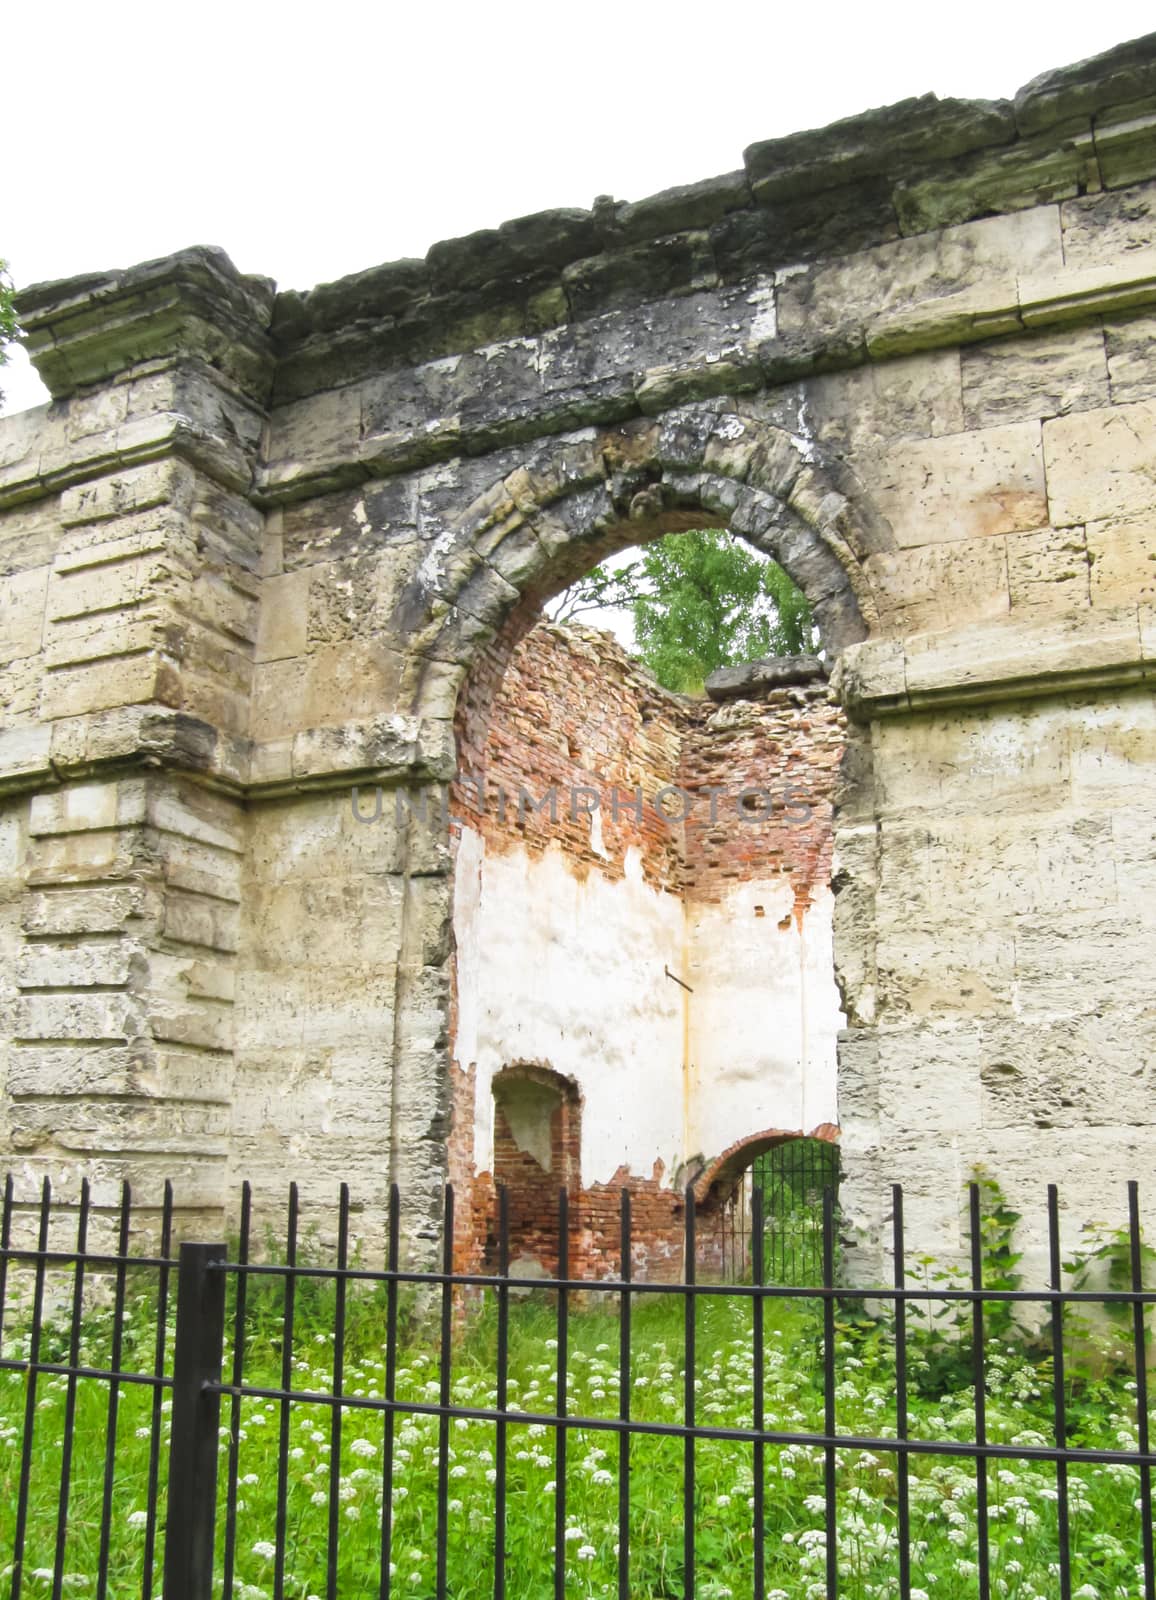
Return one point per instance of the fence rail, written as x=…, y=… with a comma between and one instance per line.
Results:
x=223, y=1364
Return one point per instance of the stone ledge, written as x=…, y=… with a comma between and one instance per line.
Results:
x=84, y=330
x=996, y=662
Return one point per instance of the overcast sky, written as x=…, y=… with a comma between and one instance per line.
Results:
x=312, y=142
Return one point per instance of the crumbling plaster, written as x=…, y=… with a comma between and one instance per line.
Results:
x=256, y=543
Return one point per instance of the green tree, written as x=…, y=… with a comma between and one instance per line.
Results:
x=8, y=327
x=700, y=601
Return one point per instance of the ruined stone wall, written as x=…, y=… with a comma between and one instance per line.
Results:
x=627, y=948
x=258, y=542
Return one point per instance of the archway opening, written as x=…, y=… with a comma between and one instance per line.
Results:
x=660, y=939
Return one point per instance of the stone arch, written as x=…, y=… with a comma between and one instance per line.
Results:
x=580, y=498
x=717, y=1180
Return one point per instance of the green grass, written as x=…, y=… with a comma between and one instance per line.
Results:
x=1105, y=1519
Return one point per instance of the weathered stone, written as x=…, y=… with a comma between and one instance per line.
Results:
x=963, y=486
x=1104, y=229
x=1099, y=463
x=1043, y=375
x=1008, y=178
x=755, y=678
x=1088, y=87
x=876, y=142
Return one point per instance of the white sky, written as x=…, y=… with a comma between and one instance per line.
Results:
x=311, y=142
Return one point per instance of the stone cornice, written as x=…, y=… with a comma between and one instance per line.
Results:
x=999, y=662
x=83, y=331
x=903, y=170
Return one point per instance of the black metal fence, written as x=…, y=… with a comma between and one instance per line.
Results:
x=73, y=1361
x=791, y=1178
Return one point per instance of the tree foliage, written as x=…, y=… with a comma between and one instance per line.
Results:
x=8, y=327
x=700, y=601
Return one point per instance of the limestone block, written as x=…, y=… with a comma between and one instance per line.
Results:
x=97, y=685
x=965, y=486
x=283, y=616
x=1005, y=758
x=102, y=963
x=67, y=1070
x=101, y=411
x=195, y=813
x=1103, y=229
x=939, y=585
x=118, y=1017
x=1131, y=347
x=1040, y=375
x=69, y=912
x=334, y=684
x=201, y=869
x=133, y=490
x=868, y=407
x=323, y=921
x=892, y=276
x=1100, y=463
x=1126, y=144
x=1077, y=1073
x=22, y=601
x=130, y=632
x=1123, y=560
x=1081, y=964
x=317, y=836
x=1037, y=172
x=203, y=1026
x=929, y=1079
x=1056, y=863
x=927, y=972
x=193, y=919
x=1049, y=570
x=29, y=534
x=84, y=806
x=981, y=660
x=1113, y=753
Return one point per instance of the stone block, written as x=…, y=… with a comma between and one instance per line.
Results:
x=1131, y=347
x=929, y=1078
x=938, y=586
x=99, y=685
x=103, y=963
x=1104, y=229
x=81, y=807
x=1079, y=1072
x=1126, y=144
x=1123, y=560
x=117, y=1017
x=1044, y=374
x=22, y=602
x=1099, y=464
x=964, y=486
x=1049, y=570
x=125, y=493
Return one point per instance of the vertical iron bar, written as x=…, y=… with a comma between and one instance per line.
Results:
x=1139, y=1332
x=391, y=1267
x=288, y=1311
x=192, y=1494
x=830, y=1457
x=690, y=1309
x=338, y=1388
x=758, y=1307
x=560, y=1399
x=503, y=1393
x=30, y=1394
x=902, y=1459
x=5, y=1246
x=240, y=1307
x=69, y=1432
x=979, y=1377
x=1059, y=1399
x=444, y=1392
x=113, y=1414
x=624, y=1381
x=159, y=1349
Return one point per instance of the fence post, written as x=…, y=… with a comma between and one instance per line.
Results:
x=192, y=1500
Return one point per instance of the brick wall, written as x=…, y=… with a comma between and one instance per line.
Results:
x=565, y=708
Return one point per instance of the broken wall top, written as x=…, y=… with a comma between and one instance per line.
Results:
x=917, y=166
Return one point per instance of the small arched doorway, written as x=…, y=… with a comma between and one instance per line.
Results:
x=791, y=1173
